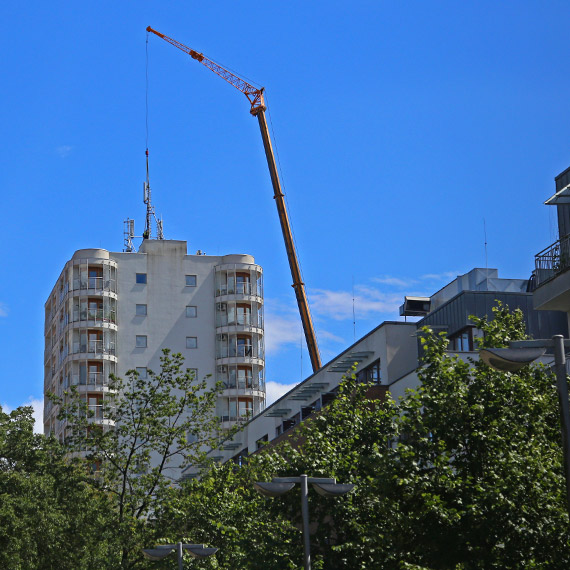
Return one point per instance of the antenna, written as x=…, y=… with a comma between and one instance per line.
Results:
x=129, y=233
x=150, y=213
x=486, y=260
x=353, y=312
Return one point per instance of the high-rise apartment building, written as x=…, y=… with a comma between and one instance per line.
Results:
x=111, y=312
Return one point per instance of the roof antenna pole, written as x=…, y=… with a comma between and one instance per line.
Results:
x=146, y=199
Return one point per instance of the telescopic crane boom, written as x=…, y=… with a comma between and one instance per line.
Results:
x=256, y=100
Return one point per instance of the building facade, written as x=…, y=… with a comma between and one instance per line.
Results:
x=110, y=312
x=390, y=355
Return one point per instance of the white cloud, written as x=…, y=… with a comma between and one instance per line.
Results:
x=3, y=310
x=367, y=302
x=63, y=150
x=446, y=275
x=394, y=281
x=274, y=391
x=329, y=336
x=38, y=412
x=281, y=330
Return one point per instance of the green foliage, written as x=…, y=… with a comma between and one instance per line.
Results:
x=50, y=516
x=464, y=473
x=154, y=424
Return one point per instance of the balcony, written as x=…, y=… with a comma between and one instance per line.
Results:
x=249, y=384
x=94, y=347
x=552, y=261
x=91, y=379
x=94, y=284
x=95, y=315
x=552, y=278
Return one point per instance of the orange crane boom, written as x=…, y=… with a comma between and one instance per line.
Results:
x=256, y=100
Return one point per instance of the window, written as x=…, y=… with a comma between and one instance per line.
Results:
x=140, y=341
x=141, y=370
x=141, y=310
x=191, y=342
x=371, y=374
x=191, y=311
x=242, y=284
x=461, y=341
x=190, y=280
x=141, y=278
x=262, y=441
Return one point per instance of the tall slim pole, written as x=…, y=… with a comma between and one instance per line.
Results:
x=562, y=387
x=179, y=552
x=305, y=513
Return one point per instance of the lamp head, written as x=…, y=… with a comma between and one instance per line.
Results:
x=510, y=359
x=332, y=489
x=272, y=489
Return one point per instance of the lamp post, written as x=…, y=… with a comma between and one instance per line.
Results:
x=521, y=353
x=160, y=551
x=323, y=486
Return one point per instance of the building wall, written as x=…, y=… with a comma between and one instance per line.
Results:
x=102, y=319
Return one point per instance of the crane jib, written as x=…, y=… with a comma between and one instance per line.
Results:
x=255, y=98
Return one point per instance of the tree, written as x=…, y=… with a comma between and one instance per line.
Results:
x=152, y=425
x=50, y=516
x=464, y=473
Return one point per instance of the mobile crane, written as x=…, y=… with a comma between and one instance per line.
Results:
x=258, y=108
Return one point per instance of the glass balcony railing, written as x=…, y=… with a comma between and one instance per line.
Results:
x=95, y=315
x=244, y=319
x=238, y=289
x=94, y=283
x=91, y=379
x=243, y=384
x=94, y=347
x=242, y=351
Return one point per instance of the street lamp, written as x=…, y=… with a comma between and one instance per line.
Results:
x=323, y=486
x=521, y=353
x=160, y=551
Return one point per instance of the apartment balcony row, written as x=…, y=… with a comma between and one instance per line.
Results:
x=552, y=278
x=94, y=284
x=94, y=347
x=244, y=319
x=240, y=351
x=243, y=385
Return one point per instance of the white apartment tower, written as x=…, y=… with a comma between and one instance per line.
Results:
x=111, y=312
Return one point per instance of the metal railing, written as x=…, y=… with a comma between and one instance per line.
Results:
x=94, y=283
x=96, y=315
x=244, y=384
x=238, y=289
x=552, y=261
x=242, y=319
x=242, y=351
x=94, y=347
x=91, y=379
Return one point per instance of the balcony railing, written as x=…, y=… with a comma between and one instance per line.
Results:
x=242, y=351
x=91, y=379
x=94, y=347
x=242, y=319
x=244, y=384
x=96, y=315
x=552, y=261
x=238, y=289
x=94, y=283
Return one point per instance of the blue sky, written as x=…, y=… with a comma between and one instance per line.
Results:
x=401, y=127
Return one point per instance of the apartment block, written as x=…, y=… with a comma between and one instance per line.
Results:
x=110, y=312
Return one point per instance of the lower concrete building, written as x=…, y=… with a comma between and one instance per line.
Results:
x=389, y=355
